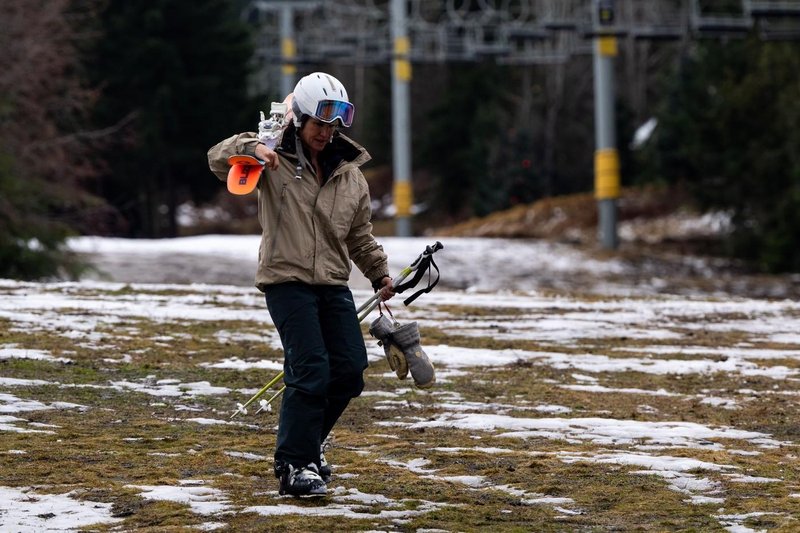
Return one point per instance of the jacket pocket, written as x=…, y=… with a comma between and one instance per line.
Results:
x=277, y=228
x=342, y=214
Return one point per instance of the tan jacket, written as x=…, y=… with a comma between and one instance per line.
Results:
x=310, y=232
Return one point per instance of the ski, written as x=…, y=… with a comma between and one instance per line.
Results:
x=246, y=170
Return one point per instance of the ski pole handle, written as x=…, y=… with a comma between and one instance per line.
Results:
x=373, y=302
x=429, y=250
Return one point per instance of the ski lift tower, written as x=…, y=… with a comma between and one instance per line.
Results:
x=286, y=11
x=606, y=157
x=401, y=117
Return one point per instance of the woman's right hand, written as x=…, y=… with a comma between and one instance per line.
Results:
x=267, y=155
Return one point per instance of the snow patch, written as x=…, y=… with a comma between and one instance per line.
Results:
x=24, y=511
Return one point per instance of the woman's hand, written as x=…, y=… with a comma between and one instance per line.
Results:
x=387, y=288
x=268, y=156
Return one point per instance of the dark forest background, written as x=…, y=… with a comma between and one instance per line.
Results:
x=107, y=110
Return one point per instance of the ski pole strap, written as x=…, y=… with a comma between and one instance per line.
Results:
x=426, y=263
x=381, y=306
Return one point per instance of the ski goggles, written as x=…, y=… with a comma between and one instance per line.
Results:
x=330, y=110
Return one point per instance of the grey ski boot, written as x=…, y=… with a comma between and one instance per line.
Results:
x=381, y=328
x=403, y=350
x=421, y=368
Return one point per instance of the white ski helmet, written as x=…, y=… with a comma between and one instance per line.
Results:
x=323, y=97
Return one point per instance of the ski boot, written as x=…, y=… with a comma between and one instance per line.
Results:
x=403, y=351
x=303, y=481
x=325, y=470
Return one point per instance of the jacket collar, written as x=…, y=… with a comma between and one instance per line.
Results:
x=342, y=152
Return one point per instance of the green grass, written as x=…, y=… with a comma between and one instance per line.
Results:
x=121, y=438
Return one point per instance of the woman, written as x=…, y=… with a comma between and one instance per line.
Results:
x=314, y=211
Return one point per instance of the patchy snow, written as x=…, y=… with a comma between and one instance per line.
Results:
x=11, y=404
x=356, y=511
x=202, y=500
x=604, y=431
x=659, y=336
x=235, y=363
x=624, y=390
x=24, y=510
x=677, y=471
x=234, y=259
x=455, y=357
x=734, y=522
x=9, y=351
x=247, y=456
x=165, y=387
x=15, y=382
x=12, y=424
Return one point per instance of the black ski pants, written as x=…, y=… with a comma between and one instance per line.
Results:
x=324, y=362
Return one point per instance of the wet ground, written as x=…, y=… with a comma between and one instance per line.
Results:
x=469, y=264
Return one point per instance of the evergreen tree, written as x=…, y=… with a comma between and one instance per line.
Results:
x=459, y=137
x=30, y=245
x=728, y=130
x=513, y=177
x=179, y=69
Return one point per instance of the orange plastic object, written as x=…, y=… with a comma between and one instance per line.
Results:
x=244, y=173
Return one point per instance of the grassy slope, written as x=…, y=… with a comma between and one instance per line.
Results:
x=129, y=438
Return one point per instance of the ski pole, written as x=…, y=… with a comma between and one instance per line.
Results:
x=367, y=307
x=242, y=408
x=422, y=261
x=267, y=404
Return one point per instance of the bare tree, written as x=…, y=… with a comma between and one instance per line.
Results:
x=45, y=152
x=44, y=112
x=43, y=98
